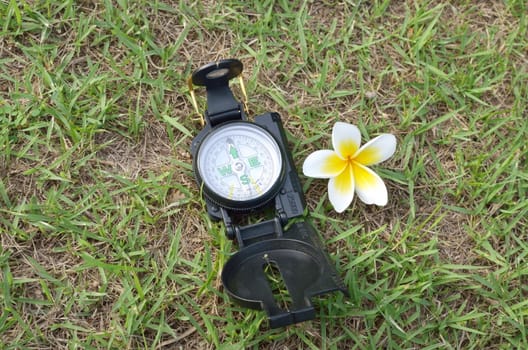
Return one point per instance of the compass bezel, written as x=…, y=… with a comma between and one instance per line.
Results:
x=237, y=204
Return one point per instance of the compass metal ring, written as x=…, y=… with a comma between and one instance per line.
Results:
x=217, y=72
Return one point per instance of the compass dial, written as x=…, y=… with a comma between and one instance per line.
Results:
x=240, y=162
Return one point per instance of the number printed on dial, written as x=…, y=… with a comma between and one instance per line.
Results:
x=239, y=161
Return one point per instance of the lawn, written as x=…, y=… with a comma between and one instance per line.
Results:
x=104, y=239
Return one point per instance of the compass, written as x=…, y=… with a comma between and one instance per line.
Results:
x=243, y=167
x=240, y=165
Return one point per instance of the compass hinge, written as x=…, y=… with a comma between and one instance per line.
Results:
x=222, y=105
x=249, y=234
x=233, y=114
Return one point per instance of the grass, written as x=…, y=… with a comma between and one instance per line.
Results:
x=104, y=241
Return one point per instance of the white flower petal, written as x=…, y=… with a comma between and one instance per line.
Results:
x=346, y=139
x=369, y=186
x=341, y=190
x=323, y=164
x=376, y=150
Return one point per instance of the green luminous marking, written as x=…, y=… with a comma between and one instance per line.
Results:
x=254, y=162
x=244, y=179
x=225, y=170
x=233, y=151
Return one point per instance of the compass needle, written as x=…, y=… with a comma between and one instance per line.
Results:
x=231, y=149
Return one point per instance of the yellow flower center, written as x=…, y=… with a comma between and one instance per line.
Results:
x=367, y=156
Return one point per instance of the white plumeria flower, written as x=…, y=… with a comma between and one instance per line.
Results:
x=346, y=166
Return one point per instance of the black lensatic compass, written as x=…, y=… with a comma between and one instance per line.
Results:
x=245, y=169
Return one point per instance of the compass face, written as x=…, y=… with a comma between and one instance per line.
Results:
x=239, y=161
